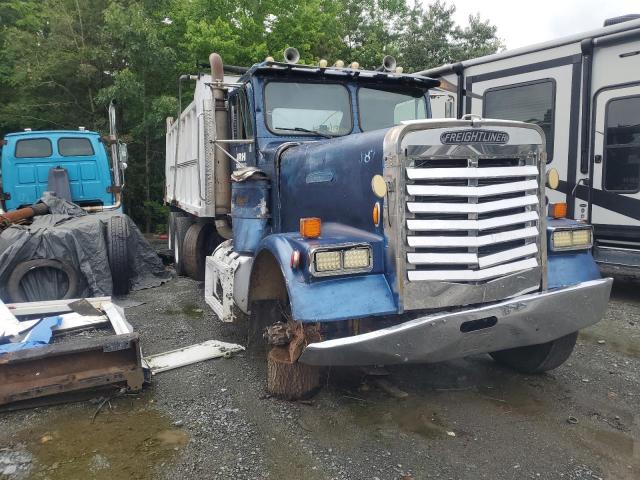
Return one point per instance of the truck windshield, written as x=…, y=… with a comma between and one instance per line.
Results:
x=383, y=109
x=303, y=108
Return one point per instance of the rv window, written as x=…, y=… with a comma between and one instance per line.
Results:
x=75, y=147
x=33, y=148
x=532, y=102
x=384, y=109
x=622, y=145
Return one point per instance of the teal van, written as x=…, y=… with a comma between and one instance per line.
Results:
x=28, y=159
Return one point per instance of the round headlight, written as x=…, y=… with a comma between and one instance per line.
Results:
x=553, y=179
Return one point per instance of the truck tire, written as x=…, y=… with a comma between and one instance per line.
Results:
x=199, y=242
x=171, y=227
x=538, y=358
x=181, y=225
x=118, y=254
x=16, y=293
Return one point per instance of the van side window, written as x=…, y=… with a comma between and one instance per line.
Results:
x=532, y=102
x=75, y=147
x=33, y=148
x=622, y=145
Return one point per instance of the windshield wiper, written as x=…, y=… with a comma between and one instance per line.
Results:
x=306, y=130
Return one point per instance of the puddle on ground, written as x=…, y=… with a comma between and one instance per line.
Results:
x=191, y=310
x=513, y=397
x=128, y=441
x=410, y=415
x=627, y=345
x=619, y=452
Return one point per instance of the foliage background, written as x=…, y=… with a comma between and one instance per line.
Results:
x=61, y=61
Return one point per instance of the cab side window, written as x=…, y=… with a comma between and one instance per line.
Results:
x=241, y=118
x=622, y=145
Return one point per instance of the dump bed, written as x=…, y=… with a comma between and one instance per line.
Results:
x=189, y=165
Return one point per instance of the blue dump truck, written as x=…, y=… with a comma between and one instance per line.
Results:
x=73, y=164
x=323, y=207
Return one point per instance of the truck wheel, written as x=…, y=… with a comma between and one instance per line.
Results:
x=118, y=254
x=538, y=358
x=16, y=292
x=181, y=225
x=171, y=227
x=199, y=242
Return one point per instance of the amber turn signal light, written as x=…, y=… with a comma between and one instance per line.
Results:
x=310, y=227
x=375, y=214
x=558, y=210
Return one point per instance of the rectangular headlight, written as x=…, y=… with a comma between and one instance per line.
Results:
x=327, y=261
x=576, y=239
x=582, y=238
x=357, y=258
x=562, y=239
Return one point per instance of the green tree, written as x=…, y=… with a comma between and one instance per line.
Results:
x=432, y=37
x=62, y=61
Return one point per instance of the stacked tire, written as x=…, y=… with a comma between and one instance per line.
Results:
x=117, y=234
x=118, y=252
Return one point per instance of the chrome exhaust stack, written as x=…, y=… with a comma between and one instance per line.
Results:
x=222, y=166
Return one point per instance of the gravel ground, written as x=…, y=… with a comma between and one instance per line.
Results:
x=468, y=418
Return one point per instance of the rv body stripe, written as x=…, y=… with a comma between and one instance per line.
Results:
x=572, y=155
x=627, y=206
x=534, y=67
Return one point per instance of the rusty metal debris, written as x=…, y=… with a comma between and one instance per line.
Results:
x=22, y=214
x=73, y=363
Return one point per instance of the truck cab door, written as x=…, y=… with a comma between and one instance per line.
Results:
x=242, y=129
x=615, y=186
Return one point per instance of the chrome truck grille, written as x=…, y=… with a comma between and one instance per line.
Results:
x=465, y=219
x=472, y=219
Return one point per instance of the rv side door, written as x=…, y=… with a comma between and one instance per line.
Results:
x=615, y=160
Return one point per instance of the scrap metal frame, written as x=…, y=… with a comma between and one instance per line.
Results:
x=75, y=365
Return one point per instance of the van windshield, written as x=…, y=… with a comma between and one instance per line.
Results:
x=384, y=109
x=302, y=108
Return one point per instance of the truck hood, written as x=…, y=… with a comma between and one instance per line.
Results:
x=331, y=179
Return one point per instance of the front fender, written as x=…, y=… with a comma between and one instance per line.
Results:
x=326, y=299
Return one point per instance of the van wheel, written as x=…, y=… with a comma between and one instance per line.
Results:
x=16, y=291
x=199, y=242
x=181, y=224
x=538, y=358
x=118, y=254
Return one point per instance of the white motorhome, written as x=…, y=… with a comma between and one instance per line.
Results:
x=584, y=91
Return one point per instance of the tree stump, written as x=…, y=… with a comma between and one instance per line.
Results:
x=289, y=379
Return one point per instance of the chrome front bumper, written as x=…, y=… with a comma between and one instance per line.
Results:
x=517, y=322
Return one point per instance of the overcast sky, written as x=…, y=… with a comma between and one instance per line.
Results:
x=522, y=23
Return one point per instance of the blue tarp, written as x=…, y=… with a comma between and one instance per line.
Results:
x=38, y=336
